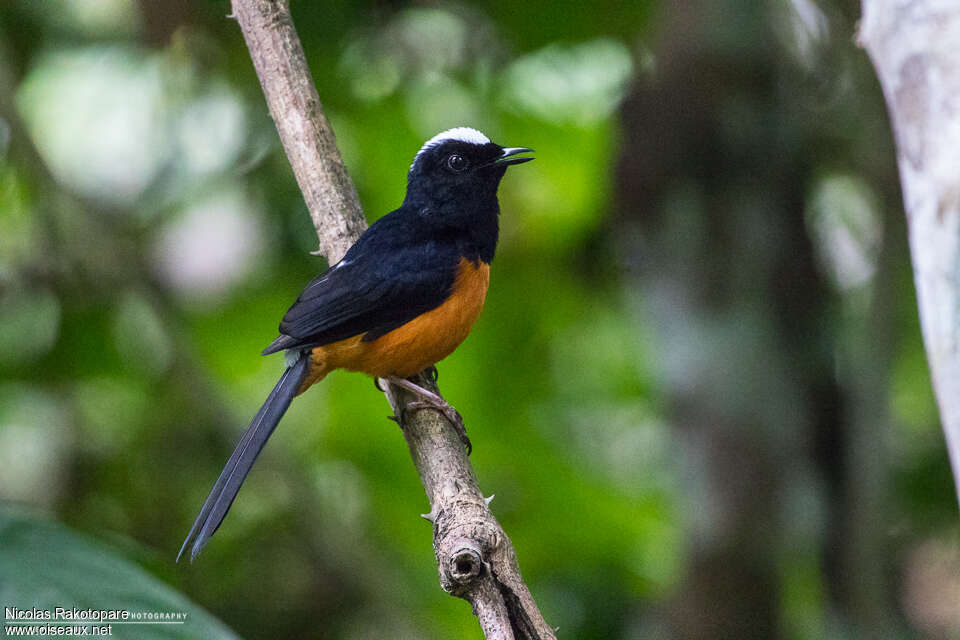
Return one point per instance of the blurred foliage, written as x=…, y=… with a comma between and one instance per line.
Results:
x=153, y=235
x=90, y=575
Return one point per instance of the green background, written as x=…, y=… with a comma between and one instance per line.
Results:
x=698, y=388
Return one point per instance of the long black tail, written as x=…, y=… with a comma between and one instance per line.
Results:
x=238, y=466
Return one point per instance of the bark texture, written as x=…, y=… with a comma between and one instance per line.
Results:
x=304, y=131
x=475, y=558
x=915, y=48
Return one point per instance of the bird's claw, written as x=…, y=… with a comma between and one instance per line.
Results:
x=450, y=414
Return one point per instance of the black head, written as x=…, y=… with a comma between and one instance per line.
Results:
x=454, y=178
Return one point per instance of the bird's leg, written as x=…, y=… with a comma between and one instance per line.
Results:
x=431, y=400
x=432, y=373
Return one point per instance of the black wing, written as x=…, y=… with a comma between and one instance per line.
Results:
x=387, y=279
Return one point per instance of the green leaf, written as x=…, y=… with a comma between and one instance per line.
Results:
x=45, y=565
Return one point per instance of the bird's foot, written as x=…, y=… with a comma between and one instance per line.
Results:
x=451, y=414
x=430, y=400
x=432, y=373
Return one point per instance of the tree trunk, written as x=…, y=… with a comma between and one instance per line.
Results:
x=915, y=47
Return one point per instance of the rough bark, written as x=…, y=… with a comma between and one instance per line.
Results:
x=915, y=48
x=304, y=131
x=475, y=558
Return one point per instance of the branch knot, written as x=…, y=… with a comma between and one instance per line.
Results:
x=464, y=566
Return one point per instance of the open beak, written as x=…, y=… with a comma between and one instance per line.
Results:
x=507, y=157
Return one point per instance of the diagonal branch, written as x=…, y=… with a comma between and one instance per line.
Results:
x=475, y=558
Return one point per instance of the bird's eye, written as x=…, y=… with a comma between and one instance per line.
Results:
x=457, y=163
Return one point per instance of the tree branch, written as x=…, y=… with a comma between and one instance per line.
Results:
x=915, y=46
x=475, y=558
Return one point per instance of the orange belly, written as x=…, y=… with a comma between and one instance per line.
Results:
x=411, y=348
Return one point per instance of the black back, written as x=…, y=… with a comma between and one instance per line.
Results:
x=405, y=264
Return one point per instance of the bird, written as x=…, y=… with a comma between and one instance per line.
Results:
x=402, y=298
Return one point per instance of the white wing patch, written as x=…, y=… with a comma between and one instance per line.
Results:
x=463, y=134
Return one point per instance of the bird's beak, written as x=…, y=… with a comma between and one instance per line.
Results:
x=507, y=157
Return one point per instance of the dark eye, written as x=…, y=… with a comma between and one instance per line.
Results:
x=457, y=163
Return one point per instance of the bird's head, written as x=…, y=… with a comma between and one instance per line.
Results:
x=459, y=170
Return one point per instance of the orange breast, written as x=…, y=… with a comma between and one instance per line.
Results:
x=409, y=349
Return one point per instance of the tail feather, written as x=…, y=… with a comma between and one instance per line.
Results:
x=238, y=466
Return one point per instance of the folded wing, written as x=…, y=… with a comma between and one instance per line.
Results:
x=369, y=291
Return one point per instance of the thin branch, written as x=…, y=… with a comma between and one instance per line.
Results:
x=914, y=47
x=474, y=556
x=304, y=131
